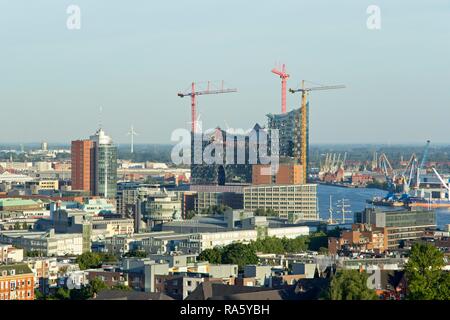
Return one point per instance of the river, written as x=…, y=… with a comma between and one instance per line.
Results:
x=357, y=200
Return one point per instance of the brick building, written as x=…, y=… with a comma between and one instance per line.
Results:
x=287, y=174
x=81, y=165
x=362, y=237
x=16, y=282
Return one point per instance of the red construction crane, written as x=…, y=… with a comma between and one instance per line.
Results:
x=283, y=75
x=193, y=94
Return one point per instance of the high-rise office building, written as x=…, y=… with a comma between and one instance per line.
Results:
x=104, y=158
x=94, y=165
x=81, y=165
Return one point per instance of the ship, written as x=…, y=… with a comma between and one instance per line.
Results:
x=421, y=202
x=386, y=202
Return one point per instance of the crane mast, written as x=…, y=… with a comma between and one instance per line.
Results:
x=283, y=76
x=194, y=93
x=304, y=130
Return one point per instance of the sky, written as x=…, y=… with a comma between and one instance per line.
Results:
x=131, y=58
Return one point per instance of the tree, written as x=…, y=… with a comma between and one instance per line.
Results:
x=265, y=212
x=89, y=260
x=17, y=226
x=97, y=285
x=350, y=285
x=121, y=287
x=84, y=293
x=213, y=255
x=38, y=295
x=318, y=240
x=62, y=294
x=136, y=253
x=24, y=226
x=240, y=254
x=426, y=279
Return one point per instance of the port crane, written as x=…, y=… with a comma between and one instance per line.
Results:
x=408, y=174
x=422, y=163
x=445, y=184
x=283, y=76
x=304, y=136
x=193, y=93
x=413, y=170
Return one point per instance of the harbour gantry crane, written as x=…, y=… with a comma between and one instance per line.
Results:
x=193, y=93
x=422, y=163
x=444, y=183
x=284, y=76
x=304, y=135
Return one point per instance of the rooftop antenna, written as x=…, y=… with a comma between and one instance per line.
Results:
x=100, y=117
x=132, y=133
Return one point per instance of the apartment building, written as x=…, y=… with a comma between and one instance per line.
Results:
x=298, y=201
x=16, y=282
x=9, y=254
x=47, y=243
x=361, y=238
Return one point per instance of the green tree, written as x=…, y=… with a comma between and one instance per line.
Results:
x=89, y=260
x=350, y=285
x=17, y=226
x=62, y=294
x=97, y=285
x=38, y=295
x=84, y=293
x=24, y=226
x=213, y=256
x=317, y=241
x=426, y=279
x=136, y=253
x=240, y=254
x=121, y=287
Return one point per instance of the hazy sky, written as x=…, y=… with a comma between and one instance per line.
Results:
x=132, y=57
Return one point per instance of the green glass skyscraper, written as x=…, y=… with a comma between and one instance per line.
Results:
x=104, y=168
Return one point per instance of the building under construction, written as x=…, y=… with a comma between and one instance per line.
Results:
x=224, y=172
x=290, y=171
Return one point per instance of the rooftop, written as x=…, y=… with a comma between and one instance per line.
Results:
x=19, y=268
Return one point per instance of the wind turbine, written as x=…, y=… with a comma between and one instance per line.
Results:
x=132, y=133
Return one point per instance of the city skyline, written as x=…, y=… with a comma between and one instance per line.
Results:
x=132, y=62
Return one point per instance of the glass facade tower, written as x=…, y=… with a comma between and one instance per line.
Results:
x=104, y=170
